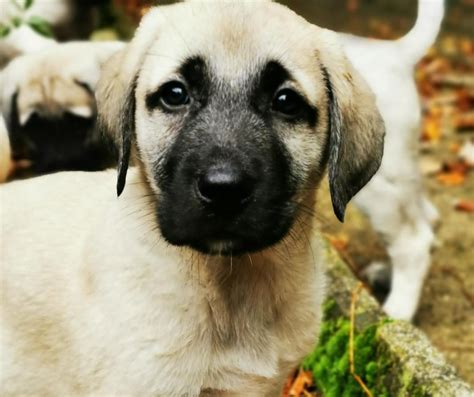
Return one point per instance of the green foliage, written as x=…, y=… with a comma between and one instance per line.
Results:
x=330, y=365
x=4, y=30
x=40, y=26
x=36, y=23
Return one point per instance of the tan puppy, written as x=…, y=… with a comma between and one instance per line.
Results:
x=203, y=278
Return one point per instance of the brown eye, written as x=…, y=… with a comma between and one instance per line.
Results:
x=288, y=103
x=174, y=95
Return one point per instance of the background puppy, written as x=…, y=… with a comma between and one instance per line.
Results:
x=233, y=126
x=7, y=53
x=47, y=100
x=394, y=200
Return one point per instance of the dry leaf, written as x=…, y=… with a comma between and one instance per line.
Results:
x=459, y=166
x=340, y=242
x=465, y=206
x=352, y=5
x=465, y=121
x=288, y=384
x=451, y=178
x=431, y=129
x=301, y=383
x=454, y=147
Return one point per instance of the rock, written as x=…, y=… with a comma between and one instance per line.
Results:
x=412, y=366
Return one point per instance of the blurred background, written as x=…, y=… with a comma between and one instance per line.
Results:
x=445, y=78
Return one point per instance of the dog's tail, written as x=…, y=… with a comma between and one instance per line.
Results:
x=422, y=36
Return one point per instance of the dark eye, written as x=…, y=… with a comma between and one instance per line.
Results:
x=174, y=94
x=288, y=102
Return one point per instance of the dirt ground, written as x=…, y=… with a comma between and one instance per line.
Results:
x=446, y=311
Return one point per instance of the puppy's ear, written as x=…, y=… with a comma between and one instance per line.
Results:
x=115, y=92
x=356, y=128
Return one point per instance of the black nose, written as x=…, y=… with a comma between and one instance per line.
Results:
x=225, y=186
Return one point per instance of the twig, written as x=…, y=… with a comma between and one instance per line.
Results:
x=355, y=296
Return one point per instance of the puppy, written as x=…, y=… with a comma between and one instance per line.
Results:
x=394, y=200
x=204, y=277
x=47, y=100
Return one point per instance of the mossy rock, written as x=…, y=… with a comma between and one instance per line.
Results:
x=393, y=358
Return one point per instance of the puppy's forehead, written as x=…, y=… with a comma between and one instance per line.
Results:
x=235, y=39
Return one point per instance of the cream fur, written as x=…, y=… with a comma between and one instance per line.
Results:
x=95, y=303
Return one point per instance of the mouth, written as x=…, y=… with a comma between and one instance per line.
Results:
x=221, y=247
x=236, y=242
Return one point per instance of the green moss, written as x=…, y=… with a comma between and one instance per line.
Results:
x=329, y=362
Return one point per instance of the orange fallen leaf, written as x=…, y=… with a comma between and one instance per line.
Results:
x=466, y=45
x=288, y=384
x=451, y=178
x=454, y=147
x=465, y=206
x=339, y=242
x=460, y=166
x=465, y=99
x=431, y=129
x=465, y=121
x=352, y=5
x=301, y=383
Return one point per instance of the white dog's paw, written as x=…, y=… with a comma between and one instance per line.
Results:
x=400, y=308
x=49, y=106
x=397, y=305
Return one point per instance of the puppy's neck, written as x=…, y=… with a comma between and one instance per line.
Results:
x=266, y=276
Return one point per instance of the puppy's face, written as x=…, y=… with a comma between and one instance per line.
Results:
x=232, y=121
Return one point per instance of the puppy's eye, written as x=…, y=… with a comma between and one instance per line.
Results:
x=174, y=95
x=288, y=103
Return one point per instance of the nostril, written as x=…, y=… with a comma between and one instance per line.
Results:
x=224, y=186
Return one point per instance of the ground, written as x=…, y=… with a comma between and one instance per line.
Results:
x=446, y=82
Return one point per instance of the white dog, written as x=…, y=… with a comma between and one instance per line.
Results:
x=203, y=277
x=394, y=200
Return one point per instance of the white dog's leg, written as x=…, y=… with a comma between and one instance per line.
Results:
x=430, y=211
x=410, y=256
x=400, y=212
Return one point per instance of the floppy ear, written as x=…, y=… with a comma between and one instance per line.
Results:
x=356, y=128
x=115, y=92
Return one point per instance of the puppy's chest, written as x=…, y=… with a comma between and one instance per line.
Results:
x=247, y=340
